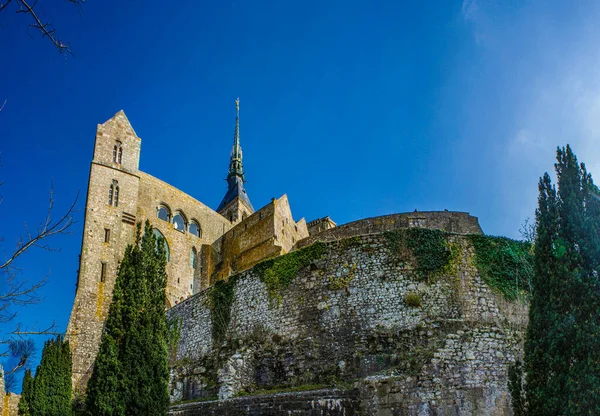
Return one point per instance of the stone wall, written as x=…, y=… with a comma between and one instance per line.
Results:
x=452, y=222
x=269, y=232
x=360, y=317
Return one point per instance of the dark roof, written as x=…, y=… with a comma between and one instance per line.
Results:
x=235, y=188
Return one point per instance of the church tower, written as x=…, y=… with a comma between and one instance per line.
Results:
x=236, y=205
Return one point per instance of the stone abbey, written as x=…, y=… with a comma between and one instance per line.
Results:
x=205, y=245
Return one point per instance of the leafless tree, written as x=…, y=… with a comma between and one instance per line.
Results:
x=30, y=8
x=18, y=292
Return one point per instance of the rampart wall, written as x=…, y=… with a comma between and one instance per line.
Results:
x=449, y=221
x=356, y=315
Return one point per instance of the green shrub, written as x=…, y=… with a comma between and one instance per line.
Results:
x=412, y=299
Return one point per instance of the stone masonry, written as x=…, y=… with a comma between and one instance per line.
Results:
x=345, y=319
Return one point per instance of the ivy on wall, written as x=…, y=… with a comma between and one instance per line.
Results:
x=278, y=273
x=429, y=249
x=220, y=298
x=504, y=264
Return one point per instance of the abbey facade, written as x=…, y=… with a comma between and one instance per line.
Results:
x=203, y=245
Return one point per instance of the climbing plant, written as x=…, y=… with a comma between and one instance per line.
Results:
x=279, y=272
x=429, y=248
x=504, y=264
x=220, y=299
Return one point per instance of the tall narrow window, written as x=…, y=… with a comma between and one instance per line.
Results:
x=115, y=153
x=120, y=155
x=113, y=193
x=103, y=272
x=193, y=256
x=116, y=196
x=107, y=235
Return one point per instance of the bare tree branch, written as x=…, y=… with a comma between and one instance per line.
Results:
x=2, y=6
x=45, y=28
x=47, y=229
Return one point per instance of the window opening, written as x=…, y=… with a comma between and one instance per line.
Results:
x=163, y=213
x=179, y=222
x=103, y=272
x=107, y=235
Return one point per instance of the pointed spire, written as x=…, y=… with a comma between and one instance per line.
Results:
x=235, y=162
x=235, y=177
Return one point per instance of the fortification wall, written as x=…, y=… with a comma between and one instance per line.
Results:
x=348, y=318
x=452, y=222
x=269, y=232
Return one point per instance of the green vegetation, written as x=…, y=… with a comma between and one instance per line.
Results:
x=429, y=248
x=412, y=299
x=504, y=264
x=220, y=298
x=130, y=375
x=49, y=392
x=173, y=337
x=562, y=348
x=337, y=283
x=279, y=272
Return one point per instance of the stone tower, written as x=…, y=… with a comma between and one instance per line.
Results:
x=236, y=205
x=109, y=225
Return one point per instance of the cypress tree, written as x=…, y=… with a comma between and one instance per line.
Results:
x=26, y=394
x=130, y=375
x=49, y=392
x=562, y=348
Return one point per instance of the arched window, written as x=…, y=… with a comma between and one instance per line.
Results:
x=193, y=258
x=179, y=222
x=120, y=155
x=113, y=193
x=195, y=229
x=163, y=213
x=160, y=237
x=115, y=153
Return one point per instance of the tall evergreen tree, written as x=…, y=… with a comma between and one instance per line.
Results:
x=562, y=348
x=130, y=375
x=49, y=392
x=26, y=391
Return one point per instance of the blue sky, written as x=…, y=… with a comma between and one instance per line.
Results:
x=353, y=109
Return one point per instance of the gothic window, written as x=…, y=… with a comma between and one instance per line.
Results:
x=116, y=196
x=113, y=193
x=244, y=215
x=195, y=229
x=179, y=222
x=160, y=237
x=118, y=152
x=163, y=213
x=193, y=258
